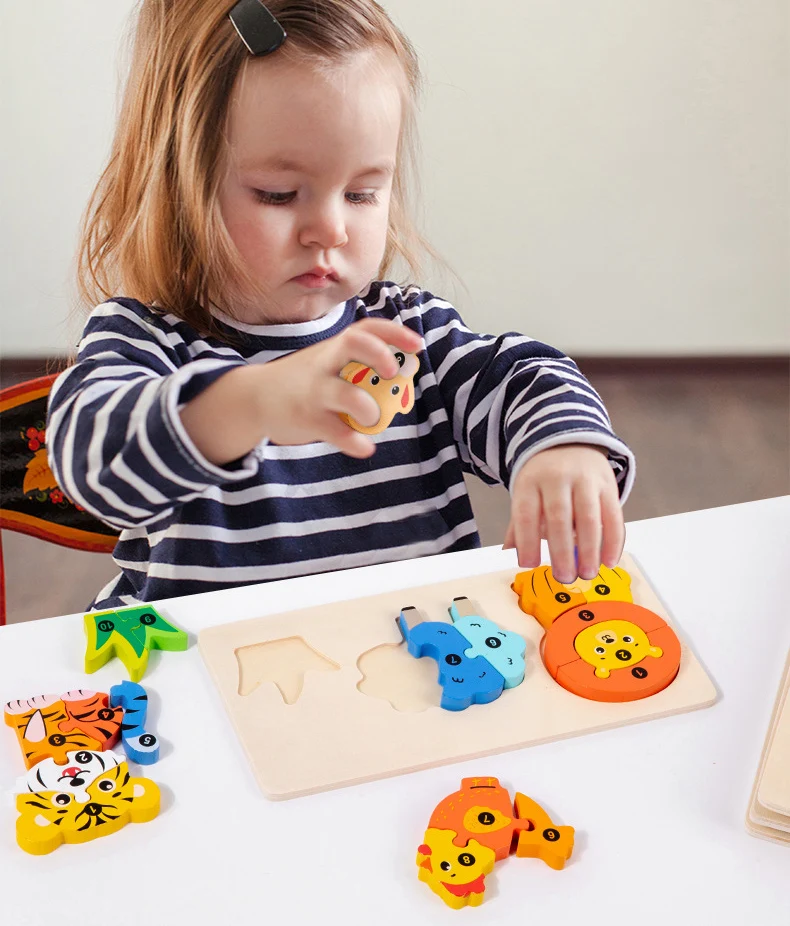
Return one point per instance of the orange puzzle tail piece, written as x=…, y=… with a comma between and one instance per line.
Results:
x=553, y=844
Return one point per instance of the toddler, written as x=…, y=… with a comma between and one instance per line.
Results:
x=239, y=245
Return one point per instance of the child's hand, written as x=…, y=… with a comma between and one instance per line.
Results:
x=569, y=496
x=310, y=395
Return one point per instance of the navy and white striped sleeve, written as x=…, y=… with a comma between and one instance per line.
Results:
x=510, y=397
x=115, y=439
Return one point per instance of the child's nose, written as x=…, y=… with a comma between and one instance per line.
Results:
x=325, y=227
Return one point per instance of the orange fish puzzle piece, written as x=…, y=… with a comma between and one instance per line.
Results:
x=479, y=823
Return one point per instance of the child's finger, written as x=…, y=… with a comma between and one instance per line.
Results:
x=587, y=521
x=366, y=348
x=366, y=342
x=343, y=398
x=510, y=537
x=347, y=440
x=613, y=527
x=558, y=515
x=525, y=519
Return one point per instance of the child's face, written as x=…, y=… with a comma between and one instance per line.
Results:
x=308, y=184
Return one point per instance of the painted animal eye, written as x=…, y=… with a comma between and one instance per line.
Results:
x=61, y=799
x=83, y=757
x=628, y=639
x=395, y=390
x=401, y=358
x=106, y=785
x=374, y=380
x=599, y=649
x=445, y=866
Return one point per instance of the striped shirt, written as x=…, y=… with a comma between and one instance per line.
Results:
x=483, y=405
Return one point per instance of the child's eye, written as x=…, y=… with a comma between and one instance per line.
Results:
x=274, y=199
x=362, y=199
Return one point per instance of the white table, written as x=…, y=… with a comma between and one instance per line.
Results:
x=658, y=807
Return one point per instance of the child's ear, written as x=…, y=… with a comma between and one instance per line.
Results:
x=145, y=799
x=36, y=831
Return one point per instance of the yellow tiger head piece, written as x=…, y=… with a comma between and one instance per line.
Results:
x=49, y=818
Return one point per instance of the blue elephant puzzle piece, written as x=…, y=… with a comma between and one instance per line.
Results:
x=503, y=649
x=464, y=680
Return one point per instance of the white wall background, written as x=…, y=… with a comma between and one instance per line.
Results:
x=610, y=176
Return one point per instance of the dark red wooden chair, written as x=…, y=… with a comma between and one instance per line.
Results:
x=31, y=502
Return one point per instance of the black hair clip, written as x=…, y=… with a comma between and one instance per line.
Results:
x=257, y=27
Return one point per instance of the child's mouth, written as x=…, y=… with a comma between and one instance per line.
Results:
x=314, y=280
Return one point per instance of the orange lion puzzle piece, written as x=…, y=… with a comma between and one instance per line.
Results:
x=598, y=643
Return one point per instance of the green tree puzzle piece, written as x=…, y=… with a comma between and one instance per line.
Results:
x=129, y=634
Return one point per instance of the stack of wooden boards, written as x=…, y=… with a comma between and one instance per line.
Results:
x=769, y=807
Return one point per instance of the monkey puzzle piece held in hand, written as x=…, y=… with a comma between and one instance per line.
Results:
x=50, y=726
x=477, y=826
x=393, y=396
x=476, y=658
x=598, y=643
x=95, y=798
x=139, y=745
x=129, y=633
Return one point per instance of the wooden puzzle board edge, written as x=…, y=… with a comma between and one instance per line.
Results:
x=765, y=817
x=333, y=735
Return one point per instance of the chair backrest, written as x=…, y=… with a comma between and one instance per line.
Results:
x=31, y=501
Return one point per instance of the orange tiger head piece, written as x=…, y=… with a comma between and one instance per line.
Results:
x=50, y=726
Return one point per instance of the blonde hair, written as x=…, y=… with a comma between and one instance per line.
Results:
x=152, y=228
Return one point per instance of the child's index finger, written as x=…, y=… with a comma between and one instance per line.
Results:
x=394, y=333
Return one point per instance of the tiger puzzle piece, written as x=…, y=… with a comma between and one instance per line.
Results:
x=503, y=649
x=477, y=820
x=72, y=777
x=393, y=396
x=464, y=680
x=139, y=745
x=47, y=819
x=542, y=596
x=602, y=647
x=49, y=726
x=129, y=633
x=456, y=875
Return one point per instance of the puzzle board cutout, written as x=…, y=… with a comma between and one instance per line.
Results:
x=769, y=806
x=333, y=728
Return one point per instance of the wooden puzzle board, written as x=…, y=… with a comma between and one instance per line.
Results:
x=332, y=734
x=769, y=806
